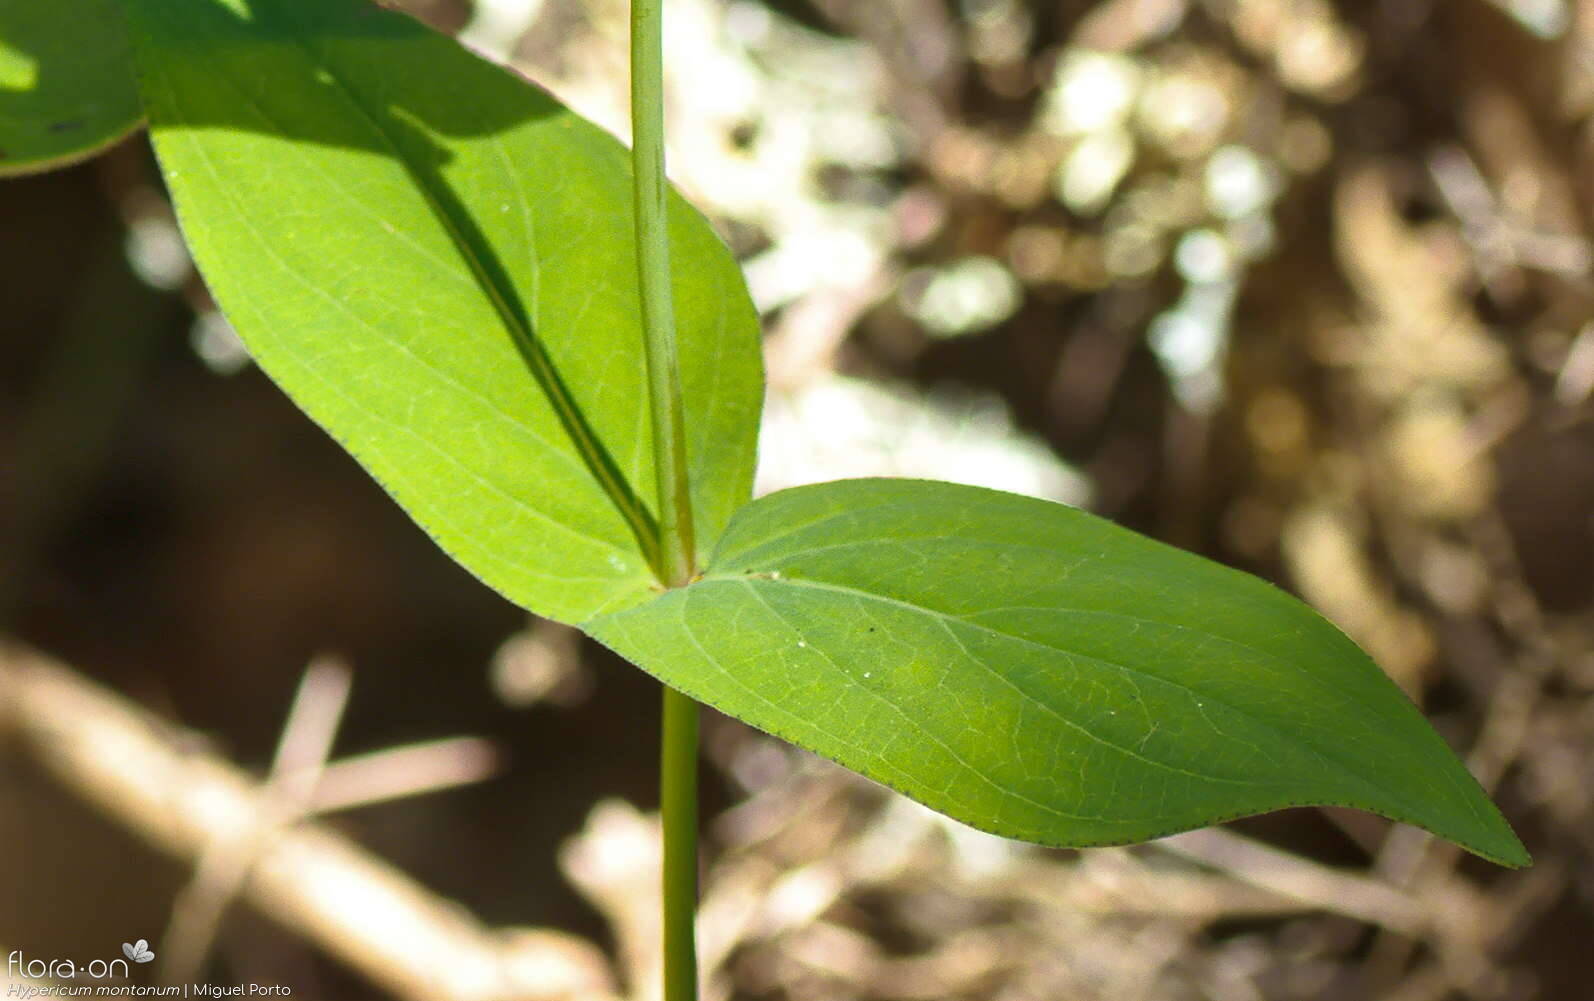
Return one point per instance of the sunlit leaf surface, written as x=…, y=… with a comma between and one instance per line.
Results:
x=1040, y=673
x=434, y=259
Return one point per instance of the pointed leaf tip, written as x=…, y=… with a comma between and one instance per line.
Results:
x=1042, y=674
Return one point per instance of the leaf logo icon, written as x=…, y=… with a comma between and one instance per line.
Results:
x=138, y=952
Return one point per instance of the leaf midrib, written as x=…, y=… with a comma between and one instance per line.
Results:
x=337, y=390
x=545, y=375
x=946, y=617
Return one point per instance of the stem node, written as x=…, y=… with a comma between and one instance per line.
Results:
x=677, y=561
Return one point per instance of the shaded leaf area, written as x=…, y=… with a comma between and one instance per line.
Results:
x=66, y=85
x=1039, y=673
x=220, y=541
x=435, y=260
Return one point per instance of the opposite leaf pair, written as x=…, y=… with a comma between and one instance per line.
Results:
x=435, y=260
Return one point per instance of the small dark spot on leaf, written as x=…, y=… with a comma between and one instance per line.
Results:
x=66, y=126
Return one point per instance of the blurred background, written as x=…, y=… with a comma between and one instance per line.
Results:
x=1301, y=285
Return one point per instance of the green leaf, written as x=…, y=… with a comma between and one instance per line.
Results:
x=1040, y=673
x=66, y=86
x=435, y=260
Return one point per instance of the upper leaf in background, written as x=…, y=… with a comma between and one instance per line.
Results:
x=66, y=86
x=435, y=260
x=1040, y=673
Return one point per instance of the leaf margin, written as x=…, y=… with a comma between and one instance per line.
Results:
x=619, y=632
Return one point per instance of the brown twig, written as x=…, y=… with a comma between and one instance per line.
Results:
x=361, y=910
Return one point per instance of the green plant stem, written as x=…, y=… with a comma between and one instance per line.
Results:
x=658, y=310
x=678, y=797
x=678, y=750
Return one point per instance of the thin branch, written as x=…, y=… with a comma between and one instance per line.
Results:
x=224, y=865
x=373, y=917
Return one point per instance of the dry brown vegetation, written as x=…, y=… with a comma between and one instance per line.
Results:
x=1303, y=285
